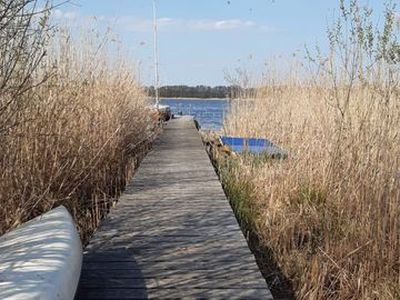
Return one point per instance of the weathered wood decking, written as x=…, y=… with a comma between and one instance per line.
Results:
x=173, y=233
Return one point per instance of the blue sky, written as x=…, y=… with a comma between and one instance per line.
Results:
x=201, y=40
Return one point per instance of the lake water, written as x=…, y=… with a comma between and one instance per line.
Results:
x=209, y=113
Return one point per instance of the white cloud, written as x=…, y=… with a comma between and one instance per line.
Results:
x=166, y=22
x=133, y=24
x=169, y=24
x=64, y=15
x=230, y=24
x=233, y=24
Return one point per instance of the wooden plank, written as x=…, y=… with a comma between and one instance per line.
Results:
x=181, y=281
x=177, y=250
x=227, y=262
x=173, y=233
x=173, y=293
x=149, y=273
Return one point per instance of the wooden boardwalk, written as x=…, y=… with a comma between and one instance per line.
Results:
x=172, y=233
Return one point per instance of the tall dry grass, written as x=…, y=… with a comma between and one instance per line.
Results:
x=330, y=213
x=74, y=136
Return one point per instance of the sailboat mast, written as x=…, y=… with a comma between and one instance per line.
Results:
x=155, y=44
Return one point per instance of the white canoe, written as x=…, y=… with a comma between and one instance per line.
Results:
x=41, y=259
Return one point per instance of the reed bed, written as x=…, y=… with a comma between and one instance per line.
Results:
x=330, y=213
x=74, y=132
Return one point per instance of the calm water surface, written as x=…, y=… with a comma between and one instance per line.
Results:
x=209, y=113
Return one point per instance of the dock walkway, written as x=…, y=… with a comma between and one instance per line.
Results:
x=173, y=233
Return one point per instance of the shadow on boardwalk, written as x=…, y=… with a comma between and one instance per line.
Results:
x=115, y=268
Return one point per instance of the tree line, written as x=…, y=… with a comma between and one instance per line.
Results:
x=199, y=91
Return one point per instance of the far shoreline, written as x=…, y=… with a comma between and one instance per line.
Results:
x=193, y=98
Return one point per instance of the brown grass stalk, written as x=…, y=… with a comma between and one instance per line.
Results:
x=77, y=137
x=330, y=213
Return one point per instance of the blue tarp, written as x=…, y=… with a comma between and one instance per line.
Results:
x=252, y=145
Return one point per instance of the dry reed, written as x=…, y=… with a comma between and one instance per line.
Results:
x=76, y=139
x=330, y=213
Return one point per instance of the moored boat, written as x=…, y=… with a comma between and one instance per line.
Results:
x=255, y=146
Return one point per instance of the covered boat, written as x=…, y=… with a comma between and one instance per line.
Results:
x=253, y=146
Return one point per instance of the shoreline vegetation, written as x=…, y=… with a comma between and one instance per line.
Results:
x=329, y=214
x=73, y=119
x=199, y=91
x=194, y=99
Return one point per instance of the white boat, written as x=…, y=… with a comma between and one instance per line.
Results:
x=163, y=110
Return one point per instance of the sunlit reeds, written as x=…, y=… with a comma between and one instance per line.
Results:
x=73, y=137
x=330, y=213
